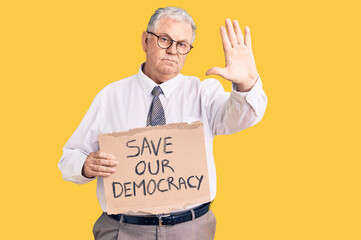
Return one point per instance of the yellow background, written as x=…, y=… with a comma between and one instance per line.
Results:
x=295, y=175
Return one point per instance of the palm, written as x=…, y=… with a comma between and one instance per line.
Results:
x=240, y=65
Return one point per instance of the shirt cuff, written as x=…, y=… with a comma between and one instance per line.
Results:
x=251, y=97
x=241, y=96
x=79, y=167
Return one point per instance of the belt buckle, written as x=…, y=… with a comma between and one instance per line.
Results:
x=160, y=224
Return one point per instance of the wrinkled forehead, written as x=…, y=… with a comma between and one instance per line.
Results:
x=177, y=30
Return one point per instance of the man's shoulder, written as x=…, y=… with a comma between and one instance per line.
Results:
x=116, y=87
x=190, y=80
x=197, y=79
x=201, y=83
x=121, y=83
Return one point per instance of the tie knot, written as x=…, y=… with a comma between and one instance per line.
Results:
x=157, y=91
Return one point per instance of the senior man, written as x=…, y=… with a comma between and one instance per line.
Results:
x=159, y=94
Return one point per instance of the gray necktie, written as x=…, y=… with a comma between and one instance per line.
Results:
x=156, y=111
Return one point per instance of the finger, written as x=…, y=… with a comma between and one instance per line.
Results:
x=231, y=33
x=238, y=31
x=99, y=174
x=225, y=40
x=104, y=174
x=216, y=71
x=100, y=154
x=104, y=162
x=247, y=36
x=102, y=169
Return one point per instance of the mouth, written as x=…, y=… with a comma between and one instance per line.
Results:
x=169, y=60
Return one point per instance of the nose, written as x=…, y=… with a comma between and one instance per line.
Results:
x=172, y=48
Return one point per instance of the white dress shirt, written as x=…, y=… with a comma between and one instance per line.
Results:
x=124, y=105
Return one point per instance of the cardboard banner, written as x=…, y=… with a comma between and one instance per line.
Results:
x=160, y=168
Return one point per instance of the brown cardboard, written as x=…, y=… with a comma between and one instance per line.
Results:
x=178, y=148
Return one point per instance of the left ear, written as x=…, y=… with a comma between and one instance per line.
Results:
x=145, y=41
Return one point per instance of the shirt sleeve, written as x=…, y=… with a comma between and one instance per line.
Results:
x=232, y=112
x=83, y=141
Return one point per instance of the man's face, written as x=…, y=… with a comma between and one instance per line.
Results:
x=164, y=64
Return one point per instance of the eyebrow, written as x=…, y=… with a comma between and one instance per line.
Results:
x=165, y=34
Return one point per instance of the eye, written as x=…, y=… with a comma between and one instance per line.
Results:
x=164, y=39
x=182, y=44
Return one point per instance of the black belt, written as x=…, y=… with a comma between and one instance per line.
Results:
x=164, y=219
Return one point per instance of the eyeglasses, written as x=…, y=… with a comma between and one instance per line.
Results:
x=166, y=42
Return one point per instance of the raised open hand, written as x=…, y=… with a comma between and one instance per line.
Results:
x=240, y=65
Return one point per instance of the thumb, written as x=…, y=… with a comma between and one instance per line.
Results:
x=216, y=71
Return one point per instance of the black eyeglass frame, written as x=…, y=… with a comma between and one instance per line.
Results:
x=171, y=43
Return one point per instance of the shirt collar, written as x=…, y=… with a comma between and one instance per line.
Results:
x=148, y=84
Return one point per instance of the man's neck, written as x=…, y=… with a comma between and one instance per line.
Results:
x=157, y=77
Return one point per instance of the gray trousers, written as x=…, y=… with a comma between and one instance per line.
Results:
x=202, y=228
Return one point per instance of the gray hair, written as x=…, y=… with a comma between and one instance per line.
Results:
x=174, y=13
